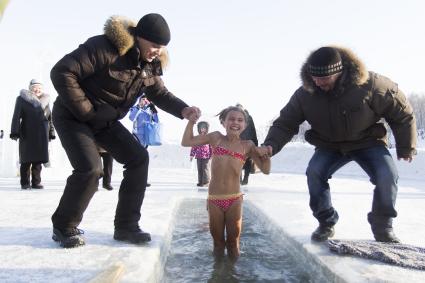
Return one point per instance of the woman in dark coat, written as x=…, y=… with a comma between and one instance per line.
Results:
x=32, y=125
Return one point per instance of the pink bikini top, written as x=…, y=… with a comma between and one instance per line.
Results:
x=218, y=150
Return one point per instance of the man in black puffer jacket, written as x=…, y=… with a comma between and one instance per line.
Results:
x=97, y=84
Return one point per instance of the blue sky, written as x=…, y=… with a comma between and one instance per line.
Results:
x=222, y=51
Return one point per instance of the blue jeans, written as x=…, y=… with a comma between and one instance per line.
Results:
x=375, y=161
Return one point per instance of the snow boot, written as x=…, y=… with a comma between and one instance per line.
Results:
x=68, y=238
x=132, y=236
x=37, y=187
x=382, y=228
x=385, y=235
x=107, y=187
x=322, y=233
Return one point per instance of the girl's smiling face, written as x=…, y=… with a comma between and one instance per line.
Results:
x=234, y=123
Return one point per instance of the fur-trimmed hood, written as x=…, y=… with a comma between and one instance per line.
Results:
x=354, y=71
x=119, y=30
x=42, y=101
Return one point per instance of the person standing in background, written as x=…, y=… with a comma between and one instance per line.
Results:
x=107, y=163
x=248, y=134
x=32, y=125
x=142, y=113
x=1, y=134
x=202, y=154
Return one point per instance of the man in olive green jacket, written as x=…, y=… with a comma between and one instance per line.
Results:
x=345, y=104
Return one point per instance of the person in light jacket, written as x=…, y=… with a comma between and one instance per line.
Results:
x=142, y=113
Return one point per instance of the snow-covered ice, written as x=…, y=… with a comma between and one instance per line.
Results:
x=27, y=253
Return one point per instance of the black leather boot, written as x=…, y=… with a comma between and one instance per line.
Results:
x=382, y=228
x=68, y=238
x=385, y=235
x=132, y=236
x=107, y=187
x=322, y=233
x=37, y=187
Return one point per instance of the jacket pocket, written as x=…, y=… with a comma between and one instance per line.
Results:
x=115, y=84
x=149, y=81
x=122, y=76
x=348, y=116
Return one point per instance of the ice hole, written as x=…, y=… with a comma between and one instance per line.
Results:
x=267, y=254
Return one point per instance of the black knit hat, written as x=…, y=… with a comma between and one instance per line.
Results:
x=325, y=61
x=154, y=28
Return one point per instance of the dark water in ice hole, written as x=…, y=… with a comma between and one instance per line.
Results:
x=262, y=258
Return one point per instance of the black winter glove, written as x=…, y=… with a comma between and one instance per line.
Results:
x=106, y=113
x=14, y=137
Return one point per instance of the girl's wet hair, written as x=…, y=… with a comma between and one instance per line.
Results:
x=223, y=113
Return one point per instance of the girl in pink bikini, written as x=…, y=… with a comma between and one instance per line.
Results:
x=224, y=196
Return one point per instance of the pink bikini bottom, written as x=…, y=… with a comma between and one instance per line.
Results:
x=224, y=201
